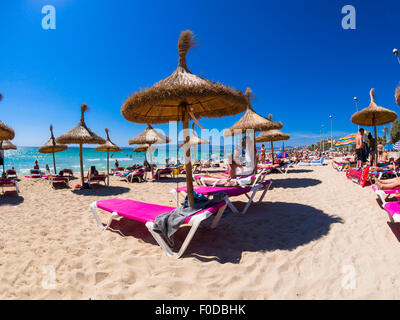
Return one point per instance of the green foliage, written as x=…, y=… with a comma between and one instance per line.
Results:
x=395, y=132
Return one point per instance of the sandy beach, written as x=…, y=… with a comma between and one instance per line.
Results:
x=317, y=235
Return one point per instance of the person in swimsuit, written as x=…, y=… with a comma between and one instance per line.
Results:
x=262, y=153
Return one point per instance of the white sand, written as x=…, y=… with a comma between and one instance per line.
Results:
x=315, y=236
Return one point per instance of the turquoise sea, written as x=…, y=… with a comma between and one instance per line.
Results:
x=23, y=158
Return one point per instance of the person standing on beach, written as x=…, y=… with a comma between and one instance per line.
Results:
x=262, y=153
x=116, y=164
x=360, y=150
x=371, y=142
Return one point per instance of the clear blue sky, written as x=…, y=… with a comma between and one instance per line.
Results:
x=301, y=65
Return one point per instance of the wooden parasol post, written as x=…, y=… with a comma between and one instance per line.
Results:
x=54, y=164
x=255, y=153
x=108, y=166
x=272, y=151
x=81, y=162
x=188, y=163
x=375, y=142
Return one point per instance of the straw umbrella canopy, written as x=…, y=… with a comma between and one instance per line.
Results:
x=6, y=133
x=144, y=148
x=6, y=145
x=81, y=135
x=51, y=146
x=373, y=115
x=180, y=95
x=148, y=137
x=397, y=95
x=108, y=147
x=271, y=136
x=253, y=121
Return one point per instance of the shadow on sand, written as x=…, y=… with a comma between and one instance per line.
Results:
x=10, y=198
x=299, y=170
x=266, y=227
x=296, y=183
x=102, y=190
x=395, y=227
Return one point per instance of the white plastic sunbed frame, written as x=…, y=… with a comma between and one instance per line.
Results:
x=253, y=190
x=16, y=186
x=194, y=222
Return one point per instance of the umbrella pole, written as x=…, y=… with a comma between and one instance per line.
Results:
x=108, y=171
x=81, y=162
x=375, y=142
x=188, y=163
x=272, y=151
x=54, y=164
x=255, y=153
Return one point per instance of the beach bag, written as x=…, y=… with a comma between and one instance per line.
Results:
x=198, y=197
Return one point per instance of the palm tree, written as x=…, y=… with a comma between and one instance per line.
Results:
x=385, y=131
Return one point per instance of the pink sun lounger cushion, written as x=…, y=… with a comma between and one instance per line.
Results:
x=230, y=191
x=393, y=209
x=394, y=191
x=141, y=211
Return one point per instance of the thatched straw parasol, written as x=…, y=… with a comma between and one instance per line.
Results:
x=6, y=145
x=148, y=137
x=144, y=148
x=271, y=136
x=81, y=134
x=108, y=147
x=180, y=95
x=6, y=133
x=51, y=146
x=373, y=115
x=397, y=95
x=252, y=121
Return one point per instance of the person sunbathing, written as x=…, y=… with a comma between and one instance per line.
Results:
x=233, y=171
x=388, y=184
x=92, y=172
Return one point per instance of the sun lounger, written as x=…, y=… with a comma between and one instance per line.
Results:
x=385, y=194
x=35, y=173
x=319, y=162
x=283, y=168
x=132, y=176
x=97, y=179
x=7, y=183
x=230, y=192
x=359, y=176
x=11, y=174
x=393, y=210
x=69, y=172
x=147, y=213
x=58, y=180
x=159, y=173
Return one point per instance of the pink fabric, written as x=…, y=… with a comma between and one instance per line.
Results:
x=230, y=191
x=392, y=207
x=141, y=211
x=60, y=178
x=395, y=190
x=7, y=182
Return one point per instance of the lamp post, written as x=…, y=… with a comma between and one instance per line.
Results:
x=355, y=100
x=396, y=53
x=330, y=117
